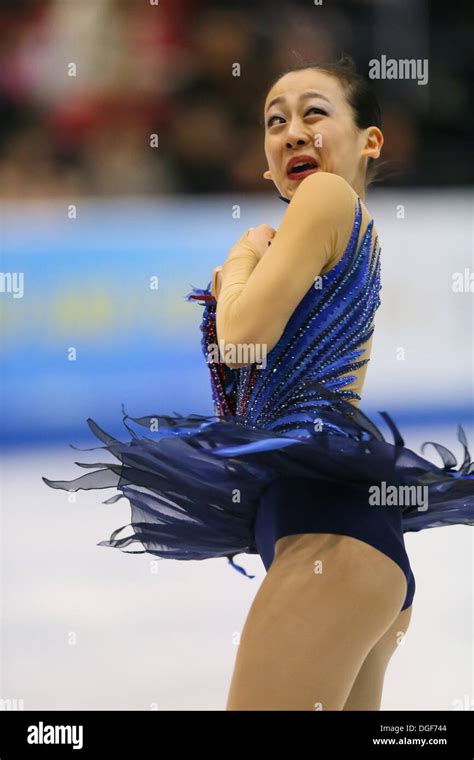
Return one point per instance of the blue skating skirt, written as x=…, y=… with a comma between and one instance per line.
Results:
x=213, y=486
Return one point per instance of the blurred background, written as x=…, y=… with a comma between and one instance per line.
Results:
x=166, y=69
x=126, y=145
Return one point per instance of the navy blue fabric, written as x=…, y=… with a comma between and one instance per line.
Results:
x=291, y=506
x=196, y=484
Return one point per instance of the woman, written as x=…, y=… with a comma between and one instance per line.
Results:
x=289, y=467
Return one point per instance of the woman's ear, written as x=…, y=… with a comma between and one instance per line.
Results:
x=268, y=175
x=373, y=144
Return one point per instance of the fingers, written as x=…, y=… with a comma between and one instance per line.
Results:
x=262, y=233
x=265, y=228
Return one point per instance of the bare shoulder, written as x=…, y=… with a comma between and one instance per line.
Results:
x=330, y=200
x=323, y=183
x=327, y=195
x=345, y=201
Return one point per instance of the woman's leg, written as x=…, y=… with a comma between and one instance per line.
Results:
x=325, y=602
x=366, y=693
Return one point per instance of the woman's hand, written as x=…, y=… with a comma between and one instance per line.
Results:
x=260, y=237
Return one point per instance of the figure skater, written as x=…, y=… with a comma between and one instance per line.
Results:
x=289, y=467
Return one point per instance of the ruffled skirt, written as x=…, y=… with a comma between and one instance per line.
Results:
x=194, y=482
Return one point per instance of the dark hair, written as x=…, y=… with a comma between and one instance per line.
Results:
x=359, y=94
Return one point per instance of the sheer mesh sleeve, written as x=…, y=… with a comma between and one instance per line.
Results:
x=259, y=295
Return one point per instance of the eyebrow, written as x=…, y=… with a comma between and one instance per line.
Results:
x=303, y=96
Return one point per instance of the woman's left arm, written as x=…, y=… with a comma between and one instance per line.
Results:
x=258, y=295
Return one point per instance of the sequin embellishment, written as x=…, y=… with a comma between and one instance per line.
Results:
x=320, y=345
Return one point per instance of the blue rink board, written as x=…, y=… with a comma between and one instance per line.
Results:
x=87, y=291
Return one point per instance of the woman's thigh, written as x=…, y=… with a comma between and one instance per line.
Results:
x=324, y=603
x=366, y=692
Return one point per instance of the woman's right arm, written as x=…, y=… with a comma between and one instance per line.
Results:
x=256, y=240
x=256, y=302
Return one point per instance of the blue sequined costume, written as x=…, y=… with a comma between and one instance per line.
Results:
x=285, y=451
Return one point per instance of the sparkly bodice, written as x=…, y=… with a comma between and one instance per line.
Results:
x=320, y=345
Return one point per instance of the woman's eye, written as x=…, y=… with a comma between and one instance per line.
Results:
x=318, y=110
x=271, y=120
x=313, y=108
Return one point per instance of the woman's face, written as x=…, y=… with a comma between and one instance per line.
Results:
x=309, y=127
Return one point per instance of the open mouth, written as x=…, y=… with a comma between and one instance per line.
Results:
x=301, y=167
